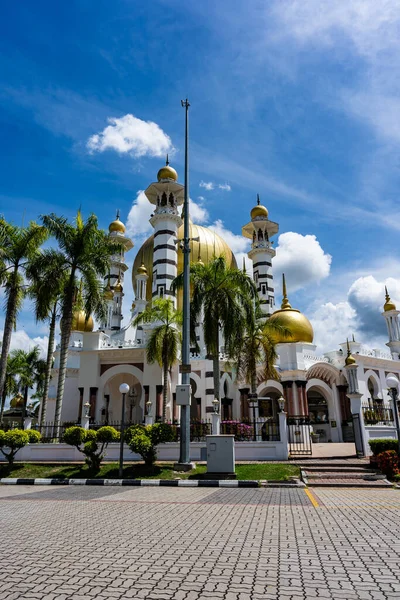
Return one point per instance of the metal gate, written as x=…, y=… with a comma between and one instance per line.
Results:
x=299, y=435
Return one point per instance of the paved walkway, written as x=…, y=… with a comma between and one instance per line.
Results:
x=83, y=543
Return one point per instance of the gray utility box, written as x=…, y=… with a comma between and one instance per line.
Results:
x=220, y=453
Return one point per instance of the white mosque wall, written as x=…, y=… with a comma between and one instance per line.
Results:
x=248, y=451
x=373, y=432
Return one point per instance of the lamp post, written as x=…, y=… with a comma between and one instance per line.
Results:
x=281, y=404
x=253, y=402
x=392, y=383
x=184, y=444
x=148, y=419
x=124, y=389
x=215, y=418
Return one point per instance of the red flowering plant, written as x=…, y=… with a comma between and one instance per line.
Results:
x=388, y=462
x=241, y=431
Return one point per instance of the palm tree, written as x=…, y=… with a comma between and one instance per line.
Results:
x=18, y=246
x=47, y=284
x=257, y=347
x=224, y=296
x=164, y=341
x=28, y=366
x=87, y=252
x=10, y=384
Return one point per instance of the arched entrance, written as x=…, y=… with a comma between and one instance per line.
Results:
x=109, y=406
x=318, y=411
x=268, y=406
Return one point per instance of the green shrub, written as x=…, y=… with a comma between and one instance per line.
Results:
x=34, y=436
x=15, y=439
x=91, y=443
x=143, y=440
x=382, y=444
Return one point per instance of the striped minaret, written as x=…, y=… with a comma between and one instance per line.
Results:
x=259, y=231
x=166, y=195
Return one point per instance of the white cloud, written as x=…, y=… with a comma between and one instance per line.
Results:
x=302, y=260
x=332, y=324
x=201, y=198
x=137, y=225
x=20, y=340
x=367, y=296
x=198, y=213
x=129, y=134
x=224, y=186
x=207, y=185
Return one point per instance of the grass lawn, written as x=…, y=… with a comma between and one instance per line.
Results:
x=269, y=471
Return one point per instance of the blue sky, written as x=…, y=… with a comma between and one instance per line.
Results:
x=296, y=100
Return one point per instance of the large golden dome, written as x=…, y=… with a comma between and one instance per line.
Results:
x=299, y=326
x=209, y=244
x=79, y=322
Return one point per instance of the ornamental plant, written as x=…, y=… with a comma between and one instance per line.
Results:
x=241, y=431
x=379, y=445
x=388, y=462
x=92, y=444
x=144, y=439
x=14, y=440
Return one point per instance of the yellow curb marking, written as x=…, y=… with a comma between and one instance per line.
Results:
x=312, y=498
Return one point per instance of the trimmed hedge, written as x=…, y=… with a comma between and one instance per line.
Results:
x=382, y=445
x=94, y=443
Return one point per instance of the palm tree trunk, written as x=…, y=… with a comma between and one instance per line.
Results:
x=24, y=406
x=165, y=392
x=3, y=402
x=254, y=382
x=216, y=367
x=62, y=370
x=8, y=328
x=49, y=363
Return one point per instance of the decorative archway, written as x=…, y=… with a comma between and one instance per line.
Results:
x=322, y=410
x=272, y=390
x=110, y=400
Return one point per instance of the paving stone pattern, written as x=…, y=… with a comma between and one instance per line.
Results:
x=82, y=543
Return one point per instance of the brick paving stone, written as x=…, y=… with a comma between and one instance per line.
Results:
x=78, y=543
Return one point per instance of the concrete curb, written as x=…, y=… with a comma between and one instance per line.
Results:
x=222, y=483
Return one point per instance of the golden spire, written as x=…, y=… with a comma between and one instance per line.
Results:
x=167, y=162
x=389, y=304
x=350, y=360
x=244, y=265
x=285, y=302
x=258, y=199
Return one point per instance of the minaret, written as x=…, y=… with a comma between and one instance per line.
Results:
x=118, y=267
x=391, y=315
x=260, y=230
x=109, y=299
x=166, y=194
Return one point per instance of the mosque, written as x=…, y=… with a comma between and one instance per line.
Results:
x=317, y=386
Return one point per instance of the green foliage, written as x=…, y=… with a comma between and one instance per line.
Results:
x=15, y=439
x=143, y=440
x=382, y=444
x=91, y=443
x=34, y=436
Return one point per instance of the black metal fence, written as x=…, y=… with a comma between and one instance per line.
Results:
x=299, y=435
x=377, y=413
x=50, y=432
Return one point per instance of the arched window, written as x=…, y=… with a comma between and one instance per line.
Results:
x=171, y=199
x=164, y=199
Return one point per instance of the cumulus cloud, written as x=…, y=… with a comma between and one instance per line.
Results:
x=302, y=260
x=137, y=224
x=20, y=340
x=332, y=324
x=130, y=135
x=198, y=213
x=207, y=185
x=366, y=296
x=224, y=186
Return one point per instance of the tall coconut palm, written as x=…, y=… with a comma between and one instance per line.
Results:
x=87, y=252
x=18, y=246
x=48, y=278
x=10, y=384
x=164, y=341
x=223, y=298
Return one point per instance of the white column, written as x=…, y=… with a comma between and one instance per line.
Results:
x=283, y=432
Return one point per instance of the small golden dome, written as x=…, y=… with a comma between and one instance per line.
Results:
x=142, y=269
x=259, y=210
x=389, y=304
x=117, y=225
x=299, y=326
x=17, y=401
x=118, y=286
x=167, y=172
x=350, y=360
x=108, y=293
x=133, y=306
x=80, y=323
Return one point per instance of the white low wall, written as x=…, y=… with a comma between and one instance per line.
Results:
x=169, y=452
x=373, y=432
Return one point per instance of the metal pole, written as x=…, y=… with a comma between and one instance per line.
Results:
x=396, y=415
x=121, y=441
x=184, y=456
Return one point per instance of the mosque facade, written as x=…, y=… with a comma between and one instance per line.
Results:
x=313, y=386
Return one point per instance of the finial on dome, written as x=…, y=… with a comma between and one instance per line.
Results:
x=167, y=161
x=117, y=215
x=350, y=360
x=389, y=304
x=258, y=199
x=285, y=302
x=118, y=286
